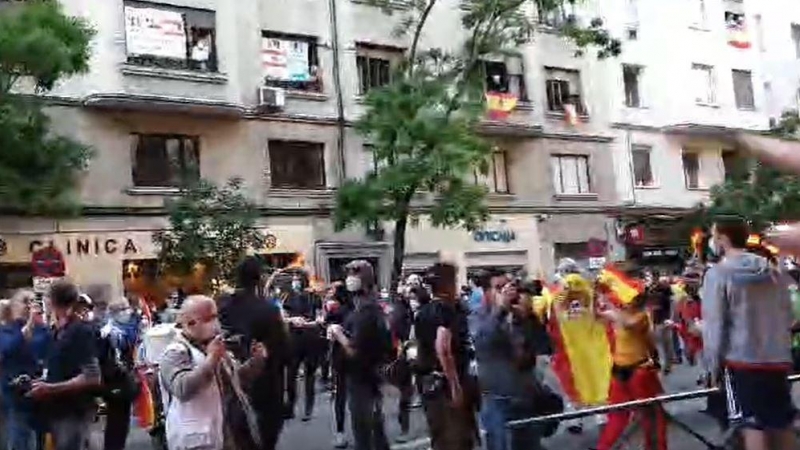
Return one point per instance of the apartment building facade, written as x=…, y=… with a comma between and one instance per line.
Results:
x=268, y=91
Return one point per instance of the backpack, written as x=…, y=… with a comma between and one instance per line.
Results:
x=118, y=380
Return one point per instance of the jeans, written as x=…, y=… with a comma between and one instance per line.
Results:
x=366, y=415
x=339, y=397
x=309, y=357
x=496, y=411
x=21, y=430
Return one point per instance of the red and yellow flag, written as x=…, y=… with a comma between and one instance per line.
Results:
x=582, y=358
x=621, y=288
x=499, y=105
x=144, y=407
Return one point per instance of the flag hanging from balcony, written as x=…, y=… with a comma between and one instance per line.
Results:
x=582, y=344
x=737, y=30
x=499, y=105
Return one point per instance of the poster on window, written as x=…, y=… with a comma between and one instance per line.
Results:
x=737, y=30
x=155, y=32
x=285, y=60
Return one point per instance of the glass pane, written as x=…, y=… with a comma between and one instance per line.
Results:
x=641, y=166
x=691, y=169
x=582, y=165
x=569, y=175
x=363, y=74
x=555, y=168
x=152, y=162
x=500, y=175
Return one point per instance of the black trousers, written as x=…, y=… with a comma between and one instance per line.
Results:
x=366, y=415
x=308, y=356
x=118, y=423
x=339, y=397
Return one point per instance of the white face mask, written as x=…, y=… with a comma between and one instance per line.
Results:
x=90, y=316
x=352, y=283
x=123, y=316
x=207, y=331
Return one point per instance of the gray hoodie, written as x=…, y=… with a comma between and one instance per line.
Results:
x=747, y=313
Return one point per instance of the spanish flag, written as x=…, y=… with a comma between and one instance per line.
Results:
x=582, y=358
x=499, y=105
x=621, y=288
x=144, y=408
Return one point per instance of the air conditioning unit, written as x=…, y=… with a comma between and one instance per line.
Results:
x=271, y=98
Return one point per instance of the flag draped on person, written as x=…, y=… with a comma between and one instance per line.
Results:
x=582, y=357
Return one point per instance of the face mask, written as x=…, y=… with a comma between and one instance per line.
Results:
x=296, y=285
x=206, y=331
x=353, y=283
x=122, y=316
x=714, y=249
x=90, y=316
x=414, y=303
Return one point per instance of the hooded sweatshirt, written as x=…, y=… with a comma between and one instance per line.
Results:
x=747, y=314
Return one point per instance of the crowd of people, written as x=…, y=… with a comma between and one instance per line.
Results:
x=476, y=357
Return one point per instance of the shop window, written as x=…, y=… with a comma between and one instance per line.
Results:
x=164, y=160
x=642, y=166
x=375, y=65
x=563, y=88
x=632, y=81
x=505, y=77
x=571, y=174
x=297, y=164
x=496, y=180
x=170, y=37
x=743, y=89
x=691, y=169
x=14, y=277
x=291, y=61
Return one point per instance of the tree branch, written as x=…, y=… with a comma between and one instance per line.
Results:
x=417, y=33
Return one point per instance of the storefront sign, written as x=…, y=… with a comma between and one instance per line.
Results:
x=48, y=262
x=661, y=253
x=494, y=236
x=91, y=246
x=597, y=262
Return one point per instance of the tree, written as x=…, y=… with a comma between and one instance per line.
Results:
x=422, y=126
x=759, y=192
x=209, y=226
x=39, y=45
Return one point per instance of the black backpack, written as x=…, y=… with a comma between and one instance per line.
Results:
x=118, y=379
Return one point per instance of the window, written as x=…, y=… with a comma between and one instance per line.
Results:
x=164, y=160
x=563, y=88
x=631, y=78
x=170, y=37
x=290, y=62
x=375, y=65
x=297, y=164
x=642, y=168
x=632, y=33
x=796, y=39
x=571, y=174
x=633, y=11
x=734, y=165
x=704, y=85
x=691, y=169
x=555, y=16
x=505, y=77
x=736, y=26
x=496, y=180
x=743, y=89
x=700, y=17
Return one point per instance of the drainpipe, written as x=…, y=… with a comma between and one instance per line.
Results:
x=631, y=168
x=337, y=83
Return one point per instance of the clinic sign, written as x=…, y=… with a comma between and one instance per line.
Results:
x=93, y=246
x=500, y=235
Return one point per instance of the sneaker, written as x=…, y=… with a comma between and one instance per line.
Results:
x=403, y=438
x=306, y=417
x=339, y=441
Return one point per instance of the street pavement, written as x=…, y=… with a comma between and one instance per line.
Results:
x=317, y=434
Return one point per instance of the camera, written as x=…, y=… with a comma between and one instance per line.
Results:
x=21, y=384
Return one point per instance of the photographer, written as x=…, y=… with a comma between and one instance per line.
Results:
x=72, y=372
x=207, y=407
x=506, y=349
x=449, y=395
x=23, y=344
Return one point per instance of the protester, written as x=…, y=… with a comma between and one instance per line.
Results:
x=367, y=346
x=401, y=321
x=747, y=319
x=66, y=394
x=449, y=392
x=204, y=385
x=634, y=375
x=301, y=310
x=24, y=339
x=119, y=338
x=251, y=318
x=505, y=346
x=337, y=310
